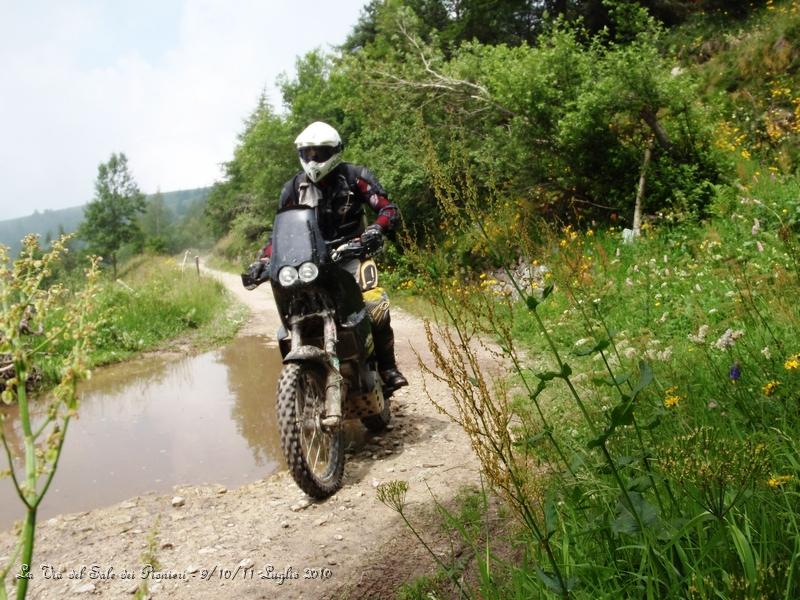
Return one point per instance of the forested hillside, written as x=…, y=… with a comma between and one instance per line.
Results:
x=50, y=223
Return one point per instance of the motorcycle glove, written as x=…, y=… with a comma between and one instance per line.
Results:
x=256, y=274
x=372, y=239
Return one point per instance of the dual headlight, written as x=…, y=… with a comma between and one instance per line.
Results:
x=289, y=275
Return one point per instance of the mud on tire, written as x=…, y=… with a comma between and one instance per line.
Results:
x=315, y=457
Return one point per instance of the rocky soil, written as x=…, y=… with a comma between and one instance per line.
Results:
x=267, y=539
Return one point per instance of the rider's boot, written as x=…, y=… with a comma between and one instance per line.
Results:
x=387, y=365
x=377, y=303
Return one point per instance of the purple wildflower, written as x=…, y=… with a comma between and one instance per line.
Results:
x=736, y=372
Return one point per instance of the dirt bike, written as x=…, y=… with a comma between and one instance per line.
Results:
x=330, y=373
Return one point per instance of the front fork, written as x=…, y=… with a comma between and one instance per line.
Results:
x=332, y=419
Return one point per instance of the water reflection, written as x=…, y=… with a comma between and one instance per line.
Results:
x=153, y=423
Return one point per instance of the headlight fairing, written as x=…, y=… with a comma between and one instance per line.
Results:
x=308, y=272
x=287, y=276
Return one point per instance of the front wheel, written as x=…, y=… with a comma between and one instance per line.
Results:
x=315, y=456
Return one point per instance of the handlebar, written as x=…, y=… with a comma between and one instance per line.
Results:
x=348, y=250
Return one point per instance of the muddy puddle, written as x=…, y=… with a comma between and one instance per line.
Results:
x=149, y=424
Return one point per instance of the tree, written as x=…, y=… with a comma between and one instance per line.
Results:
x=110, y=218
x=157, y=225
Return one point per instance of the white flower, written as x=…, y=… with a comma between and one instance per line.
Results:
x=697, y=287
x=756, y=227
x=629, y=353
x=665, y=354
x=730, y=294
x=582, y=341
x=760, y=246
x=629, y=282
x=700, y=336
x=765, y=351
x=728, y=339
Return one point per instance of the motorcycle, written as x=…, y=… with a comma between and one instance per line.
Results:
x=330, y=374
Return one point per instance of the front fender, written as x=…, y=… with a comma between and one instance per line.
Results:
x=308, y=353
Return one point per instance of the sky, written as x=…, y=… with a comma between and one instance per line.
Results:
x=167, y=82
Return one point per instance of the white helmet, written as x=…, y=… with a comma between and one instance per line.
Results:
x=320, y=150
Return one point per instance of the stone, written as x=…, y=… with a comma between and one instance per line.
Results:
x=167, y=546
x=192, y=569
x=119, y=520
x=86, y=588
x=338, y=537
x=207, y=550
x=128, y=504
x=246, y=563
x=132, y=589
x=178, y=501
x=285, y=524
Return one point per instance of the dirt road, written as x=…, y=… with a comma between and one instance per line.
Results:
x=267, y=539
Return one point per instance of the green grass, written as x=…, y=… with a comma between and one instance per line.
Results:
x=223, y=263
x=153, y=305
x=158, y=303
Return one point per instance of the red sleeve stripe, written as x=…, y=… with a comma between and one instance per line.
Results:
x=363, y=186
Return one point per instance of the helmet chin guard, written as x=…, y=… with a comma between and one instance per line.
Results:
x=320, y=150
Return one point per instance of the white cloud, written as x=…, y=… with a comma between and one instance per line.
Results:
x=76, y=89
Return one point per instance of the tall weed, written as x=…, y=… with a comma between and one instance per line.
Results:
x=645, y=440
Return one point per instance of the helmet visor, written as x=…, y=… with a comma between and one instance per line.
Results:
x=318, y=154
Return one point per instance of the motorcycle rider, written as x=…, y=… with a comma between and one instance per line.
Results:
x=339, y=191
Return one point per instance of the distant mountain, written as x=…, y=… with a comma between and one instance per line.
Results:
x=49, y=223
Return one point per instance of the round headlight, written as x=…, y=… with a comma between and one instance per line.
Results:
x=308, y=272
x=287, y=276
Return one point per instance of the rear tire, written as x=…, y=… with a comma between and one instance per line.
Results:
x=315, y=457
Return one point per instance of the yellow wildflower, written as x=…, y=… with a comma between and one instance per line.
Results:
x=792, y=363
x=672, y=399
x=777, y=481
x=770, y=387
